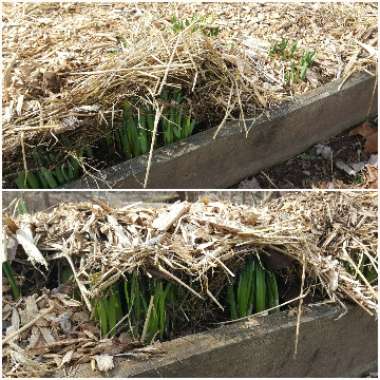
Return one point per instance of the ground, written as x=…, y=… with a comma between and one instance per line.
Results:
x=345, y=161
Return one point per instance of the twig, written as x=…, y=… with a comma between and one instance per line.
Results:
x=166, y=219
x=228, y=111
x=118, y=324
x=262, y=312
x=215, y=300
x=155, y=127
x=169, y=63
x=299, y=312
x=269, y=179
x=59, y=343
x=81, y=287
x=242, y=117
x=163, y=270
x=147, y=318
x=358, y=271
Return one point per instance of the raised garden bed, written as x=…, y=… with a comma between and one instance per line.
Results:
x=86, y=283
x=77, y=106
x=202, y=161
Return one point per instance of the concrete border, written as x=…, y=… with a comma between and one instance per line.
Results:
x=202, y=162
x=264, y=347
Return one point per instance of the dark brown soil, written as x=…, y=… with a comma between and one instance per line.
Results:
x=310, y=170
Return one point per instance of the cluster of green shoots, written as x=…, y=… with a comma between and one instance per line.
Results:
x=135, y=135
x=255, y=290
x=139, y=304
x=288, y=52
x=149, y=307
x=195, y=23
x=49, y=174
x=133, y=138
x=176, y=124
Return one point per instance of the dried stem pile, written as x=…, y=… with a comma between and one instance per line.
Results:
x=197, y=246
x=68, y=67
x=188, y=242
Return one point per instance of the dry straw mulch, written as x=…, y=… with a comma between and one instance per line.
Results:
x=191, y=244
x=52, y=333
x=68, y=66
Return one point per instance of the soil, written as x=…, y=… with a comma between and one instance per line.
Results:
x=311, y=170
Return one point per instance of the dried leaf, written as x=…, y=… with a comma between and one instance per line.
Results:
x=67, y=358
x=65, y=322
x=30, y=311
x=372, y=177
x=15, y=319
x=47, y=335
x=9, y=248
x=363, y=130
x=15, y=322
x=34, y=337
x=370, y=135
x=24, y=237
x=371, y=144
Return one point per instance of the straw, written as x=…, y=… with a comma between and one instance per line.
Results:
x=318, y=230
x=76, y=63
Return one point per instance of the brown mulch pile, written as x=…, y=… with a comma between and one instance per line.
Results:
x=68, y=66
